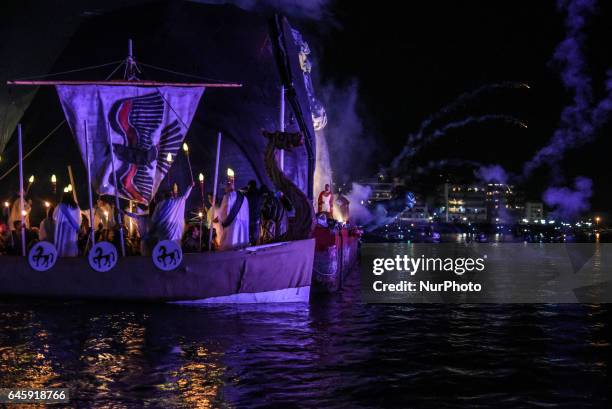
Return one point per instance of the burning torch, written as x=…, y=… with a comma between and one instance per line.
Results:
x=201, y=216
x=201, y=179
x=169, y=160
x=30, y=183
x=186, y=150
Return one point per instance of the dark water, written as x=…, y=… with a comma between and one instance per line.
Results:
x=336, y=353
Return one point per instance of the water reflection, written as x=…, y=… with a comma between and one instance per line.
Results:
x=334, y=353
x=28, y=362
x=198, y=380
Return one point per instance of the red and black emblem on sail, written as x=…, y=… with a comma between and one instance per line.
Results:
x=137, y=119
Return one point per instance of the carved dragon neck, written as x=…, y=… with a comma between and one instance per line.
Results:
x=302, y=226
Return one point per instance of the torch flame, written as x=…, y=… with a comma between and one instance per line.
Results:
x=31, y=179
x=169, y=158
x=53, y=179
x=185, y=147
x=47, y=204
x=230, y=173
x=201, y=177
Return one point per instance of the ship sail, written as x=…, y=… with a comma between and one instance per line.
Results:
x=145, y=125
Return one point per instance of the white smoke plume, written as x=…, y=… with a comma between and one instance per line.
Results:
x=360, y=214
x=344, y=147
x=568, y=202
x=349, y=146
x=323, y=170
x=492, y=174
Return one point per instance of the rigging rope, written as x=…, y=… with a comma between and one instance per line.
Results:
x=180, y=73
x=43, y=140
x=33, y=149
x=92, y=67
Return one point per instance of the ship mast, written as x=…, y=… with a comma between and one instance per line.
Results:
x=131, y=68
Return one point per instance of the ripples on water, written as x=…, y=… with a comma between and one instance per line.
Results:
x=336, y=352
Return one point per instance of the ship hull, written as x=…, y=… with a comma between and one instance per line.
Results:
x=336, y=253
x=278, y=273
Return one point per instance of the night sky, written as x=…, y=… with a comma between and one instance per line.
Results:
x=409, y=63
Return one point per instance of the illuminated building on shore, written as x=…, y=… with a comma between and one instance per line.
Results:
x=477, y=203
x=534, y=211
x=462, y=203
x=504, y=203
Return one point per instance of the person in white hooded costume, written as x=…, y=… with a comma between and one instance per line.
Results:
x=168, y=220
x=67, y=217
x=16, y=212
x=233, y=219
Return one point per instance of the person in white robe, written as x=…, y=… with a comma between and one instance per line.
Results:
x=212, y=221
x=325, y=203
x=46, y=230
x=102, y=215
x=16, y=213
x=234, y=220
x=142, y=221
x=67, y=217
x=168, y=220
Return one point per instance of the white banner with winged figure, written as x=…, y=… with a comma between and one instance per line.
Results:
x=144, y=125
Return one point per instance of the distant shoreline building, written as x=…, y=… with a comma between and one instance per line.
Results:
x=456, y=202
x=480, y=203
x=462, y=203
x=534, y=212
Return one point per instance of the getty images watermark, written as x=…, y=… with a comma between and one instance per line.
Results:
x=486, y=273
x=413, y=265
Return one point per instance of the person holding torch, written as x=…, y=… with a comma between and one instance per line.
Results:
x=15, y=214
x=233, y=216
